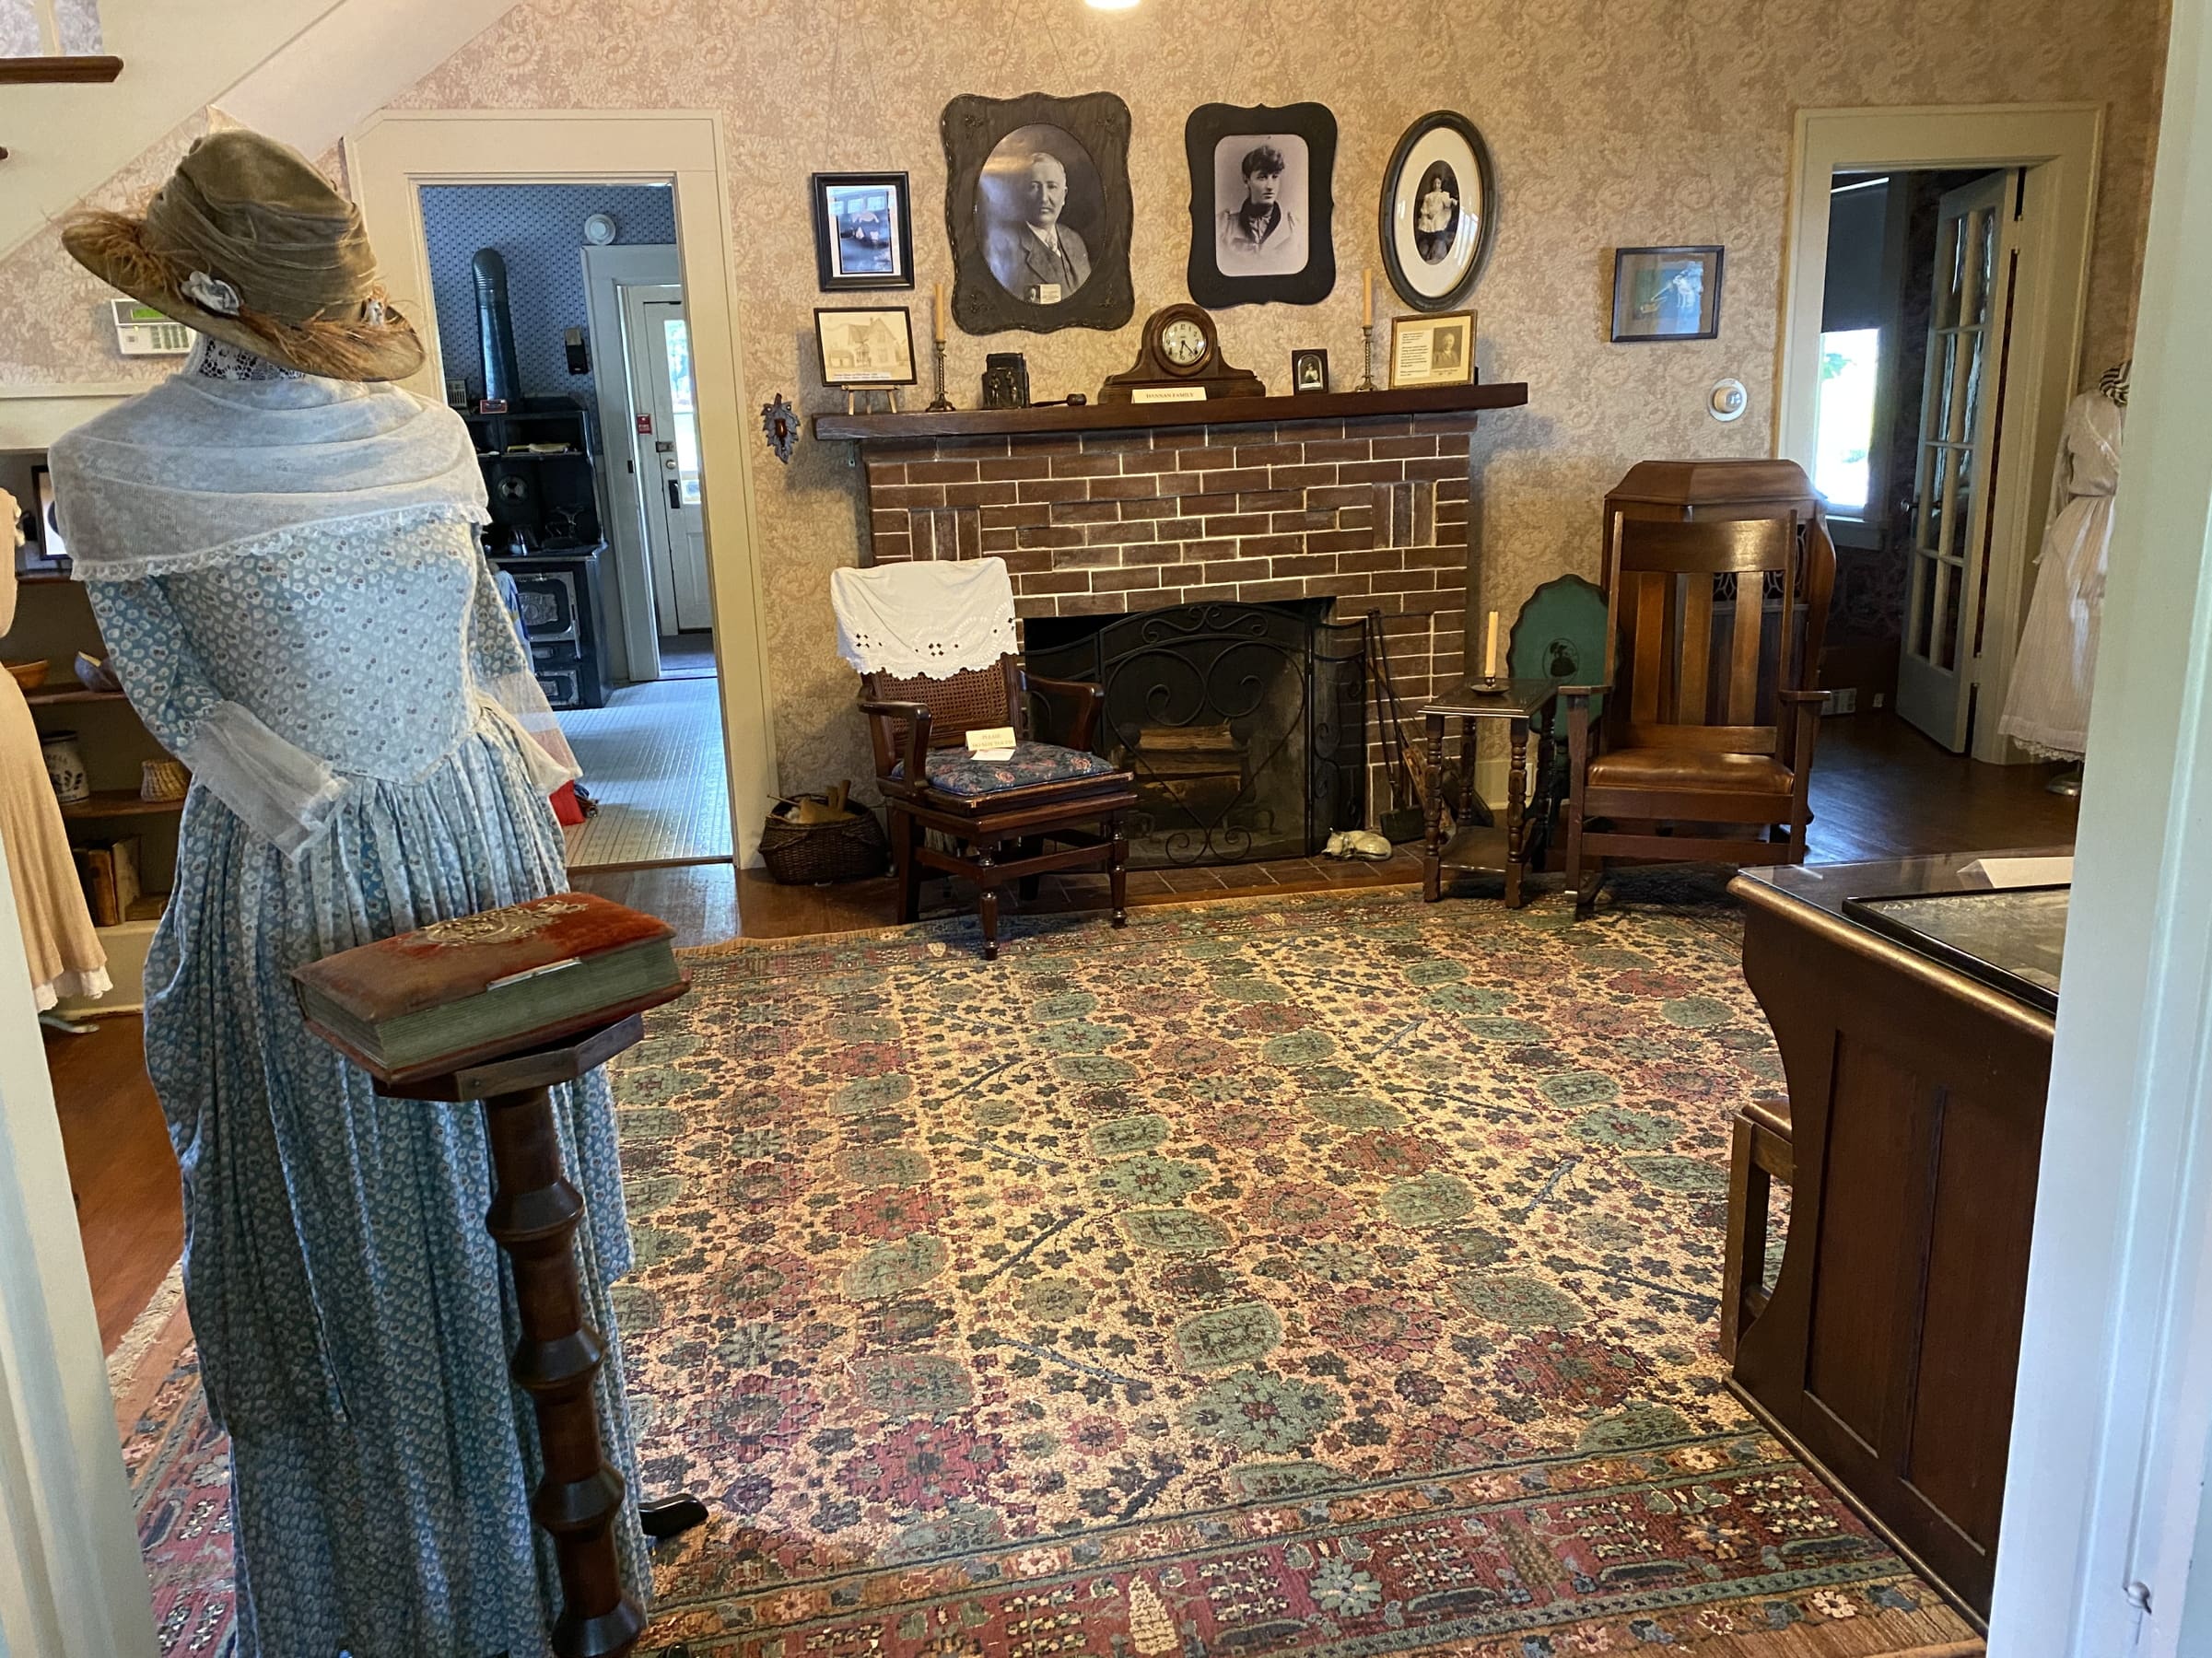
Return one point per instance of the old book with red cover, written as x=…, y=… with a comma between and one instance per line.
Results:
x=458, y=991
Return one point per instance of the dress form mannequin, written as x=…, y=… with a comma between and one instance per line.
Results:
x=66, y=954
x=283, y=556
x=2047, y=706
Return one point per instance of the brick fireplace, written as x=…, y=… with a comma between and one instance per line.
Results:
x=1357, y=499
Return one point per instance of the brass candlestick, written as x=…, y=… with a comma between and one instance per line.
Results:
x=941, y=401
x=1366, y=359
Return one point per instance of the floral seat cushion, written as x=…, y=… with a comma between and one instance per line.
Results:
x=955, y=771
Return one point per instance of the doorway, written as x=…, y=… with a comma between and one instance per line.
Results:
x=576, y=381
x=1943, y=570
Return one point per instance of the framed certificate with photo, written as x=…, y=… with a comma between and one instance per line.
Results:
x=1434, y=350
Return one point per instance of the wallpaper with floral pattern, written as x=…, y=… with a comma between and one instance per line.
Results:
x=1611, y=125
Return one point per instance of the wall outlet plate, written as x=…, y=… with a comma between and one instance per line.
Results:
x=1843, y=700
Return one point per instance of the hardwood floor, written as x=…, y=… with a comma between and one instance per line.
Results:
x=1879, y=789
x=122, y=1171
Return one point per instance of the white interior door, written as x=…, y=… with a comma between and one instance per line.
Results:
x=666, y=432
x=1949, y=556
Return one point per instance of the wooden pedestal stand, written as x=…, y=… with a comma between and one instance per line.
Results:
x=534, y=1218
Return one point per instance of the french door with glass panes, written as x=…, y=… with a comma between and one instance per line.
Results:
x=668, y=455
x=1947, y=554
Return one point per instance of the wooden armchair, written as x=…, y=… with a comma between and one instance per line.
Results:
x=1704, y=751
x=1043, y=793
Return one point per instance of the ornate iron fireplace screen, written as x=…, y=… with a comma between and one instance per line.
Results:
x=1245, y=724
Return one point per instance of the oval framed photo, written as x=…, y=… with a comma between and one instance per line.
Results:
x=1439, y=209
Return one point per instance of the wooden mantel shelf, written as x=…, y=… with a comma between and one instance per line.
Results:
x=922, y=425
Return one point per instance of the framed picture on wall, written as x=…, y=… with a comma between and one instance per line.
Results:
x=860, y=347
x=1262, y=205
x=1439, y=209
x=1666, y=294
x=1432, y=350
x=863, y=231
x=1036, y=203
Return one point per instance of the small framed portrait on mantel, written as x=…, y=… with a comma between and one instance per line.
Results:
x=1309, y=372
x=1666, y=294
x=1037, y=208
x=1262, y=207
x=860, y=347
x=863, y=231
x=1432, y=350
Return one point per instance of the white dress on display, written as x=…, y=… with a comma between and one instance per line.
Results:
x=2047, y=708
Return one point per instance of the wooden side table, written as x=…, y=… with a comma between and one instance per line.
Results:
x=1504, y=847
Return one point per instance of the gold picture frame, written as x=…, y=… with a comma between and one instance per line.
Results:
x=1437, y=349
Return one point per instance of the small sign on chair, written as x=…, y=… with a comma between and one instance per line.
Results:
x=991, y=743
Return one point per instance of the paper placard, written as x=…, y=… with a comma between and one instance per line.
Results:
x=991, y=743
x=1150, y=394
x=2006, y=872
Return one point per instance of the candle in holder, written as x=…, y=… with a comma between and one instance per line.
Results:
x=939, y=313
x=1366, y=296
x=1490, y=650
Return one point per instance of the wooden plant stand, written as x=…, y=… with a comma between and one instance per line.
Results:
x=533, y=1216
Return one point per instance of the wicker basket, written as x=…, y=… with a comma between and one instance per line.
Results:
x=803, y=854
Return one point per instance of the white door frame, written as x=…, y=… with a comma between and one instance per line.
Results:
x=71, y=1582
x=396, y=152
x=669, y=553
x=607, y=271
x=2110, y=1431
x=2060, y=147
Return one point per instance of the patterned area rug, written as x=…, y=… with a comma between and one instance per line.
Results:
x=1334, y=1276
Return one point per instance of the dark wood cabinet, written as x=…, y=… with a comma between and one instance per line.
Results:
x=1888, y=1355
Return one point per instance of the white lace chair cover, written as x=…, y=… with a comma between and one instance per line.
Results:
x=931, y=619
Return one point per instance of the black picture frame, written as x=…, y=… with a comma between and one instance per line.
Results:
x=43, y=552
x=1632, y=295
x=1310, y=364
x=1444, y=140
x=985, y=140
x=861, y=210
x=841, y=374
x=1219, y=141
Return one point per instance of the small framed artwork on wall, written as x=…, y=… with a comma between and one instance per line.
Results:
x=862, y=347
x=1432, y=350
x=863, y=231
x=1666, y=294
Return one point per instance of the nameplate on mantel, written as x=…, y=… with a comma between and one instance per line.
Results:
x=1167, y=394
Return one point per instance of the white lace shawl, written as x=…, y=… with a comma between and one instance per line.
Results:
x=934, y=618
x=194, y=472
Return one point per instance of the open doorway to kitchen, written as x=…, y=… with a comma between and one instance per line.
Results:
x=565, y=342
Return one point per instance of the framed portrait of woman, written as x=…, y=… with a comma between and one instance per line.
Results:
x=1262, y=205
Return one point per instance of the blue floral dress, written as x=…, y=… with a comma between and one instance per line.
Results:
x=353, y=1319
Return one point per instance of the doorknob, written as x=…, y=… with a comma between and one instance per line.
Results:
x=676, y=495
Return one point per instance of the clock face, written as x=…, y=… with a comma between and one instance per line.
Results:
x=1183, y=342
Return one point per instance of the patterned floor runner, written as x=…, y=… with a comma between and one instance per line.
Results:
x=1333, y=1276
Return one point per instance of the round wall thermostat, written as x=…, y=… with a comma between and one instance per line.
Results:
x=1729, y=400
x=598, y=229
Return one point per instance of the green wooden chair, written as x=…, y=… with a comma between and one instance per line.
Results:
x=1559, y=635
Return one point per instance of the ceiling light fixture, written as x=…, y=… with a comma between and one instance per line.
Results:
x=1111, y=5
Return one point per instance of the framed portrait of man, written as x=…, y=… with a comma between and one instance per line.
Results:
x=1261, y=204
x=1037, y=208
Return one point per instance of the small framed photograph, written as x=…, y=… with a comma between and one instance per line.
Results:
x=863, y=231
x=1432, y=350
x=1439, y=195
x=1309, y=372
x=42, y=553
x=1666, y=294
x=862, y=347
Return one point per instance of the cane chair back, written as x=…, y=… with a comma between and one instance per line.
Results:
x=975, y=699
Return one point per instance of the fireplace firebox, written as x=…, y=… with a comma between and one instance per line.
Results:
x=1245, y=724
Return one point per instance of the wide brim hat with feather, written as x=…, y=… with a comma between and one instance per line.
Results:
x=249, y=243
